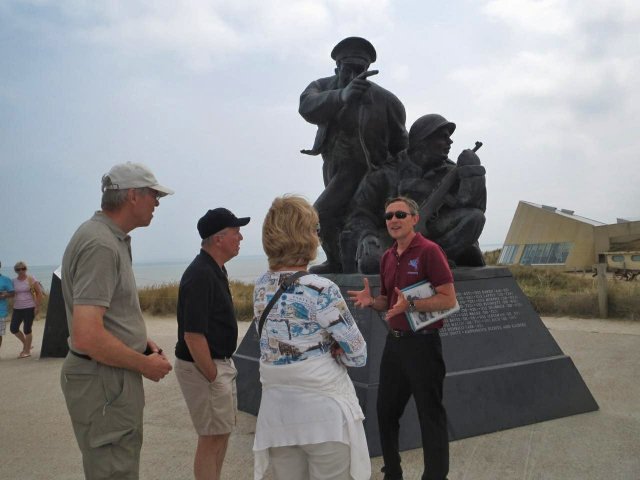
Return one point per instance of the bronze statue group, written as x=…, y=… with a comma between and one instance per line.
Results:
x=368, y=157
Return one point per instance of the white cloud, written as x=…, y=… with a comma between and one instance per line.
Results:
x=201, y=32
x=543, y=16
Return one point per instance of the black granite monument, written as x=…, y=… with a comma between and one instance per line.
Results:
x=56, y=331
x=504, y=369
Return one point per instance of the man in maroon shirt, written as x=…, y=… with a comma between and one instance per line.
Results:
x=412, y=362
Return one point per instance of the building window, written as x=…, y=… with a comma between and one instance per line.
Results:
x=545, y=253
x=635, y=258
x=617, y=258
x=508, y=254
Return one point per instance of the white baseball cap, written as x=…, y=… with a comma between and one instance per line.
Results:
x=132, y=175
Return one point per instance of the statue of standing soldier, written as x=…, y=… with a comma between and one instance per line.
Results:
x=361, y=128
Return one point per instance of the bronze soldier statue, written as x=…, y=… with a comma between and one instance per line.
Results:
x=452, y=199
x=361, y=128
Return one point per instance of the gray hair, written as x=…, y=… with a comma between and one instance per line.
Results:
x=112, y=200
x=208, y=240
x=413, y=206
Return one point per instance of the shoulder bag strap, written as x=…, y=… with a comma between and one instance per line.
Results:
x=286, y=283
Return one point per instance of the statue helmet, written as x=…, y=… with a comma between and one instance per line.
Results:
x=426, y=125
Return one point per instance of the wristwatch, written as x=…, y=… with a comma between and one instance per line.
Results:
x=412, y=306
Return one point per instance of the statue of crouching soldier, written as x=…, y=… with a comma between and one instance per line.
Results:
x=452, y=198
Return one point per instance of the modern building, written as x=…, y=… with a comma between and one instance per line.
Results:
x=541, y=235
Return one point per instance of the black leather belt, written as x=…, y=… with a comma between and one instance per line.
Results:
x=81, y=355
x=87, y=357
x=411, y=333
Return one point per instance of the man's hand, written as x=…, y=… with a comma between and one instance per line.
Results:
x=361, y=298
x=90, y=337
x=199, y=348
x=155, y=367
x=356, y=87
x=401, y=306
x=154, y=348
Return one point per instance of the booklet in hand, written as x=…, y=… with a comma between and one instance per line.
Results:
x=419, y=320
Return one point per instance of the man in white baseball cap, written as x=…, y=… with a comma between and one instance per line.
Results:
x=109, y=351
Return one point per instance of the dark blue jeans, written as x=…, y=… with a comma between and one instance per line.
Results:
x=413, y=366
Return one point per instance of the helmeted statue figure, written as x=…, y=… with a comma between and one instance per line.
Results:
x=361, y=128
x=452, y=199
x=456, y=222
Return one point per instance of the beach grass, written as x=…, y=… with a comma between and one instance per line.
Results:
x=162, y=299
x=552, y=293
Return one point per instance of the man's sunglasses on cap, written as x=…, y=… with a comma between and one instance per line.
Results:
x=399, y=214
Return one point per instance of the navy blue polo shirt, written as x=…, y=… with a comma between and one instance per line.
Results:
x=205, y=306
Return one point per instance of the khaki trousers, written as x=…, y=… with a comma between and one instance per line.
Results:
x=105, y=405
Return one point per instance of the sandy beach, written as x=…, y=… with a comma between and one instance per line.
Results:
x=37, y=442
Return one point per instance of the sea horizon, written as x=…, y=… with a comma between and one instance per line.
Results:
x=243, y=268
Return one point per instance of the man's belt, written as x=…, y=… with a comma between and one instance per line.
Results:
x=87, y=357
x=410, y=333
x=81, y=355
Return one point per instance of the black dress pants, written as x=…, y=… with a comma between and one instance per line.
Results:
x=413, y=366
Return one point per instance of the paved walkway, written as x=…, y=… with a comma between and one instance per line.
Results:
x=36, y=440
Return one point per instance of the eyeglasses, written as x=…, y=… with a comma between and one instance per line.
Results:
x=20, y=269
x=154, y=193
x=318, y=229
x=399, y=214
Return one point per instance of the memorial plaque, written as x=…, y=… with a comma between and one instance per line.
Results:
x=56, y=331
x=504, y=369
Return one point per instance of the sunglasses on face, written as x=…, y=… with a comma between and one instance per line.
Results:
x=154, y=193
x=399, y=214
x=20, y=269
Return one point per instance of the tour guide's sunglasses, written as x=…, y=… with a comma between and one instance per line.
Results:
x=399, y=214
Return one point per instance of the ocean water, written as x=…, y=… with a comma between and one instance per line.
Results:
x=242, y=268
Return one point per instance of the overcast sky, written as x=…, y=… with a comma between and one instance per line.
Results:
x=206, y=93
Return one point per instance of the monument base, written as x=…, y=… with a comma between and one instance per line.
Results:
x=504, y=369
x=56, y=330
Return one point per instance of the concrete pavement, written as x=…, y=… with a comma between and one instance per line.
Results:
x=37, y=442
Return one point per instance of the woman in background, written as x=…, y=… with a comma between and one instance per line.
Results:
x=26, y=303
x=310, y=422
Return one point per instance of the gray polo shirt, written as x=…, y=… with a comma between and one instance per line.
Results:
x=96, y=270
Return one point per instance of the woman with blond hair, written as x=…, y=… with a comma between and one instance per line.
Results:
x=310, y=422
x=25, y=307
